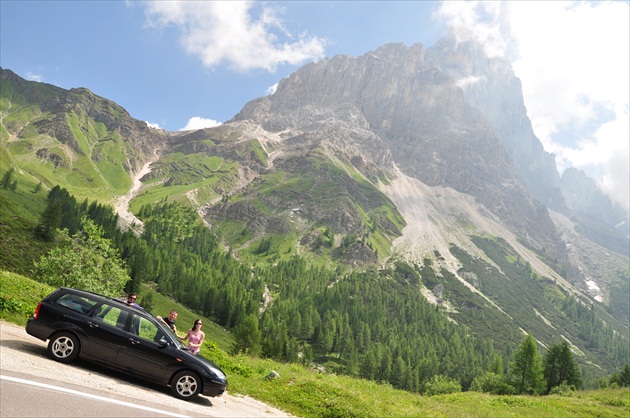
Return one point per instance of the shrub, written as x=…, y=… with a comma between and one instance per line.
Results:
x=440, y=385
x=86, y=261
x=491, y=383
x=12, y=305
x=563, y=389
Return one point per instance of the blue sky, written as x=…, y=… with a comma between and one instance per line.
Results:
x=111, y=48
x=183, y=64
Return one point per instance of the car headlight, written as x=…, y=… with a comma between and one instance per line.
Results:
x=218, y=373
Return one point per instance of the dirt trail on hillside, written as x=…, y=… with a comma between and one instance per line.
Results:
x=25, y=356
x=126, y=219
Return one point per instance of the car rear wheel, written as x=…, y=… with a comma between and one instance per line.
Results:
x=64, y=347
x=186, y=385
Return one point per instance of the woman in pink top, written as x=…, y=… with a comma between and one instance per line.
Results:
x=195, y=337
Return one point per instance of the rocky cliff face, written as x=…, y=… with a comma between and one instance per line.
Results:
x=581, y=194
x=490, y=86
x=418, y=119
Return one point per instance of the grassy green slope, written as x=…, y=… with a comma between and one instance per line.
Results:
x=288, y=207
x=61, y=137
x=19, y=215
x=44, y=158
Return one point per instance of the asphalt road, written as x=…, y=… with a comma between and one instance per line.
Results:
x=33, y=385
x=29, y=398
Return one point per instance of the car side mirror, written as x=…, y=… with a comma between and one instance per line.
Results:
x=162, y=342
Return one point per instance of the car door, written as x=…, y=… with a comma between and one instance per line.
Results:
x=105, y=328
x=142, y=354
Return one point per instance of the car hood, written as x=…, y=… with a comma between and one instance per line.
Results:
x=202, y=364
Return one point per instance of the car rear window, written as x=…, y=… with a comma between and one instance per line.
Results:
x=76, y=303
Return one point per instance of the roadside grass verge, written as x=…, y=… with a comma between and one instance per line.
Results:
x=303, y=391
x=19, y=297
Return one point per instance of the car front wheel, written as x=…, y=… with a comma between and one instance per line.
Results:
x=64, y=347
x=186, y=385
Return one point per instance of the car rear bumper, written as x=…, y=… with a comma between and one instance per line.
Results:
x=37, y=329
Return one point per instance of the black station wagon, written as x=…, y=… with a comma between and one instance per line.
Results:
x=111, y=333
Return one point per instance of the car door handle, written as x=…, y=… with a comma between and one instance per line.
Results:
x=93, y=325
x=134, y=341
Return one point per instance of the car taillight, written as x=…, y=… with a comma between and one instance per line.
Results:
x=36, y=313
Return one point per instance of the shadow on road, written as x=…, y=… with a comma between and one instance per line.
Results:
x=24, y=346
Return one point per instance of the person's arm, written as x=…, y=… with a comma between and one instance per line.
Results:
x=173, y=328
x=186, y=337
x=203, y=336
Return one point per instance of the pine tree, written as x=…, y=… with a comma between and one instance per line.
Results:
x=560, y=367
x=49, y=221
x=247, y=336
x=526, y=369
x=497, y=366
x=624, y=377
x=369, y=365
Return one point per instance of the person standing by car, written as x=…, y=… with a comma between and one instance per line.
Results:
x=131, y=300
x=170, y=320
x=195, y=337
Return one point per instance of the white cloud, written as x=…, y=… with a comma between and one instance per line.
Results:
x=229, y=32
x=197, y=122
x=152, y=125
x=272, y=89
x=573, y=61
x=34, y=77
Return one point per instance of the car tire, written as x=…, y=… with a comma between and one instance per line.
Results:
x=186, y=385
x=64, y=347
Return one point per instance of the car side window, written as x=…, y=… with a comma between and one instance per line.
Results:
x=76, y=303
x=111, y=315
x=148, y=330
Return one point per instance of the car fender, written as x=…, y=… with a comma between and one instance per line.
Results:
x=67, y=326
x=199, y=369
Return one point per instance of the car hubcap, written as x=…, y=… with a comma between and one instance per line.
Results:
x=186, y=386
x=63, y=347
